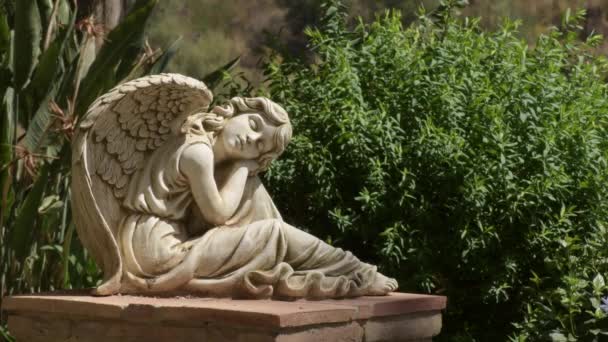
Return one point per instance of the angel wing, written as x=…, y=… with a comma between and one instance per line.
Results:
x=118, y=132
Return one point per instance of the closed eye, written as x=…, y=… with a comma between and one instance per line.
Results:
x=254, y=125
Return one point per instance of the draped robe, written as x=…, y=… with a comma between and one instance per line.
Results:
x=255, y=254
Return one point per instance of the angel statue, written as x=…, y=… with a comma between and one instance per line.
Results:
x=167, y=200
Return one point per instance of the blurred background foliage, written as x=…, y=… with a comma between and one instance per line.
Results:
x=214, y=31
x=463, y=153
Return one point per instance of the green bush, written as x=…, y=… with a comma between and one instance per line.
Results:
x=465, y=163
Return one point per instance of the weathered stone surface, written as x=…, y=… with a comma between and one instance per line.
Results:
x=261, y=313
x=347, y=332
x=79, y=329
x=166, y=199
x=407, y=327
x=393, y=304
x=72, y=316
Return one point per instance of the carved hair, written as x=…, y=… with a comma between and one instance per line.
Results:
x=214, y=122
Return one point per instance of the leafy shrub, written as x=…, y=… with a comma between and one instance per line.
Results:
x=463, y=162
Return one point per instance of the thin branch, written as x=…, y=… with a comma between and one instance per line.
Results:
x=49, y=30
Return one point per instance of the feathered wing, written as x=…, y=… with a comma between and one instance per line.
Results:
x=117, y=134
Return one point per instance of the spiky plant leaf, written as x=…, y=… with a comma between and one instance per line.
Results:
x=28, y=33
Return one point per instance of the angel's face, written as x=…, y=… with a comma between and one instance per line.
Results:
x=247, y=136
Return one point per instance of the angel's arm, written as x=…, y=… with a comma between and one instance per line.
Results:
x=217, y=206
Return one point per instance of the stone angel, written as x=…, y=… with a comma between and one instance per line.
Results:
x=167, y=200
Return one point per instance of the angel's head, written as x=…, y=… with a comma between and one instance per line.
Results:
x=245, y=128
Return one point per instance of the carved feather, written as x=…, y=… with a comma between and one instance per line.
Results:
x=124, y=107
x=113, y=132
x=107, y=152
x=122, y=181
x=132, y=164
x=120, y=192
x=141, y=144
x=128, y=149
x=133, y=129
x=133, y=119
x=114, y=170
x=150, y=114
x=143, y=131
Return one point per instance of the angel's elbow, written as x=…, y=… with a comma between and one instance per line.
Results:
x=213, y=209
x=217, y=217
x=217, y=220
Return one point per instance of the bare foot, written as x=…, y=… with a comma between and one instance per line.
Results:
x=382, y=285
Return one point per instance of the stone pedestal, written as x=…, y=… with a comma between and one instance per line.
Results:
x=77, y=317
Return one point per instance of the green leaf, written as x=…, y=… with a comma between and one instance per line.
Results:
x=214, y=78
x=7, y=128
x=48, y=67
x=45, y=8
x=599, y=283
x=119, y=41
x=86, y=58
x=22, y=231
x=64, y=12
x=5, y=32
x=67, y=246
x=37, y=130
x=7, y=137
x=68, y=78
x=4, y=333
x=28, y=33
x=558, y=337
x=50, y=203
x=161, y=63
x=129, y=63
